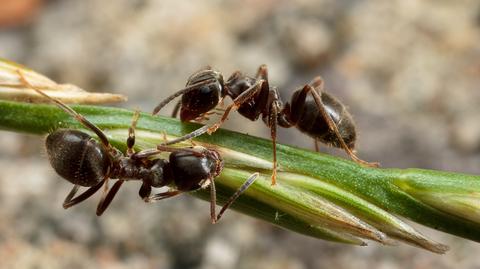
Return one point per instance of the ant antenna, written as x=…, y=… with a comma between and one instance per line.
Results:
x=69, y=110
x=239, y=192
x=180, y=92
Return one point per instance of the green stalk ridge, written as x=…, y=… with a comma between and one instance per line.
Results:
x=317, y=195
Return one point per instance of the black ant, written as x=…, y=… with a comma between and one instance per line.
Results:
x=78, y=158
x=324, y=118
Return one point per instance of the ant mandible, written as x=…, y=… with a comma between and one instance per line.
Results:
x=78, y=158
x=324, y=118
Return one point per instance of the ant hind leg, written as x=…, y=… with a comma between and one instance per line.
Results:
x=161, y=196
x=273, y=123
x=131, y=134
x=316, y=88
x=176, y=109
x=317, y=145
x=213, y=201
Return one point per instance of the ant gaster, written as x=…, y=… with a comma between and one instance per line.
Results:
x=324, y=118
x=78, y=158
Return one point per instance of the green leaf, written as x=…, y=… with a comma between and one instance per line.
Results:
x=316, y=195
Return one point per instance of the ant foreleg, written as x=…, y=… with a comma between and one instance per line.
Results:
x=272, y=122
x=239, y=192
x=317, y=145
x=131, y=134
x=69, y=202
x=71, y=194
x=273, y=133
x=107, y=199
x=262, y=72
x=145, y=191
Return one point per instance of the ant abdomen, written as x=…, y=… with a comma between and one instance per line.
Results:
x=309, y=120
x=77, y=157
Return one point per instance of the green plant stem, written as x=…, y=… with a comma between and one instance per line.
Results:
x=385, y=190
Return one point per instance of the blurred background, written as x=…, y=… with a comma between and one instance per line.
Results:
x=409, y=71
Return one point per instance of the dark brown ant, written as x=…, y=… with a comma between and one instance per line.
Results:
x=78, y=158
x=324, y=118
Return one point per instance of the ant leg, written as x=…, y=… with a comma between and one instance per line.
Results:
x=161, y=196
x=164, y=136
x=203, y=117
x=69, y=110
x=131, y=134
x=317, y=145
x=145, y=191
x=71, y=194
x=176, y=109
x=213, y=201
x=262, y=72
x=239, y=192
x=272, y=122
x=106, y=200
x=69, y=202
x=318, y=84
x=237, y=102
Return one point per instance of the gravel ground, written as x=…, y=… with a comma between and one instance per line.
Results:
x=408, y=70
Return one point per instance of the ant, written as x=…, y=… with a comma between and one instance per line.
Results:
x=81, y=160
x=324, y=118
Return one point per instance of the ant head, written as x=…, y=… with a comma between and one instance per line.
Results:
x=215, y=157
x=204, y=97
x=193, y=168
